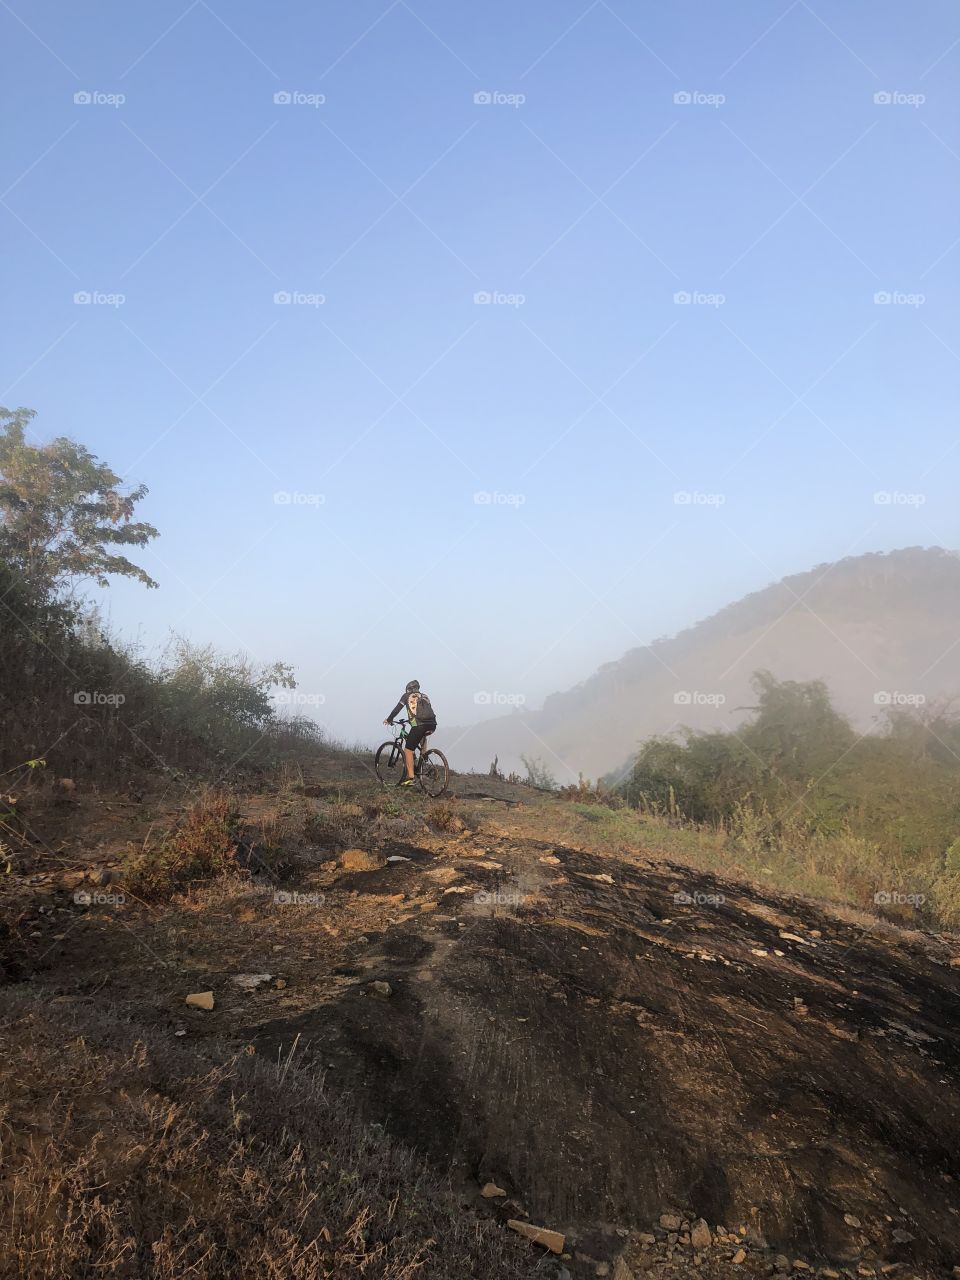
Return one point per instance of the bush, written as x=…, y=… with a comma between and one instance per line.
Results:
x=202, y=847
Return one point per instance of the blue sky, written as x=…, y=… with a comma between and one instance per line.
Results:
x=627, y=154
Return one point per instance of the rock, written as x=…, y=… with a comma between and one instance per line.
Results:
x=670, y=1221
x=250, y=981
x=955, y=964
x=793, y=937
x=851, y=1220
x=490, y=1189
x=646, y=1238
x=828, y=1273
x=864, y=1270
x=200, y=1000
x=360, y=860
x=889, y=1268
x=397, y=857
x=781, y=1262
x=280, y=983
x=673, y=1237
x=700, y=1236
x=603, y=1269
x=621, y=1271
x=381, y=989
x=550, y=861
x=800, y=1265
x=738, y=1257
x=552, y=1240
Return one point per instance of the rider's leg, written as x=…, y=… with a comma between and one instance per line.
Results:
x=408, y=759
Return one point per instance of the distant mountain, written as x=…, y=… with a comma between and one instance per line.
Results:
x=881, y=629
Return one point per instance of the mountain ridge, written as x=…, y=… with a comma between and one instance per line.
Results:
x=878, y=628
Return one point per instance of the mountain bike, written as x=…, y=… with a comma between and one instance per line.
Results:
x=429, y=766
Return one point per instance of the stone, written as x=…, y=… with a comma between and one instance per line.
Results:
x=781, y=1262
x=621, y=1271
x=646, y=1238
x=250, y=981
x=603, y=1269
x=851, y=1220
x=200, y=1000
x=700, y=1236
x=670, y=1221
x=381, y=989
x=490, y=1189
x=738, y=1257
x=360, y=860
x=552, y=1240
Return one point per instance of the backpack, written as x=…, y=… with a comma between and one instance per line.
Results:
x=424, y=710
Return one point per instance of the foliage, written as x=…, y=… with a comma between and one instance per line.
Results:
x=797, y=770
x=63, y=514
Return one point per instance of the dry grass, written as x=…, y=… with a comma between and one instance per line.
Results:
x=130, y=1155
x=202, y=846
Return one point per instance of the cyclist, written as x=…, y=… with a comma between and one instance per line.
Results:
x=423, y=721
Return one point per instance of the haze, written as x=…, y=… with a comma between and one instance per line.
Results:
x=719, y=342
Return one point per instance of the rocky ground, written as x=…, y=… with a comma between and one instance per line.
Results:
x=670, y=1073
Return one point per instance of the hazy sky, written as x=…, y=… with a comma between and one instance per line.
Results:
x=580, y=165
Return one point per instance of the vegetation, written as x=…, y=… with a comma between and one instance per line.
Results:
x=878, y=813
x=70, y=693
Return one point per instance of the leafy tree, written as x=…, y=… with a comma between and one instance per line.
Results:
x=62, y=512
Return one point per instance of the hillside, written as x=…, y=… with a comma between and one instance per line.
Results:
x=871, y=626
x=682, y=1073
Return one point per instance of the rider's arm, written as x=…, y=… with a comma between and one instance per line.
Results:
x=394, y=712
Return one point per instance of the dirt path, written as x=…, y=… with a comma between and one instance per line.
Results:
x=609, y=1039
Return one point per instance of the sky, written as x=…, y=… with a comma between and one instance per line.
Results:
x=479, y=344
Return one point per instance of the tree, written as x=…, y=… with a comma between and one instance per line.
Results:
x=62, y=512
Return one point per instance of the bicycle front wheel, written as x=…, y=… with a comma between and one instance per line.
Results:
x=434, y=772
x=389, y=763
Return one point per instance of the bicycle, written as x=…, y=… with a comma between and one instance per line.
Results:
x=430, y=767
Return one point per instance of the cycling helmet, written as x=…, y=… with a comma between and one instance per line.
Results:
x=413, y=686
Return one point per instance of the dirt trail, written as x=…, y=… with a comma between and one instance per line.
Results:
x=606, y=1038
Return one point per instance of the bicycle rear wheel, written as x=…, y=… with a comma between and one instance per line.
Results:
x=389, y=763
x=434, y=772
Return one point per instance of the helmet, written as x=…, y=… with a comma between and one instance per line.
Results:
x=413, y=686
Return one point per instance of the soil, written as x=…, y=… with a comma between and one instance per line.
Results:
x=606, y=1038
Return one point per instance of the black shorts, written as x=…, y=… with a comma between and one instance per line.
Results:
x=417, y=734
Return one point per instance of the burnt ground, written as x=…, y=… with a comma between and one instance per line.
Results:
x=608, y=1038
